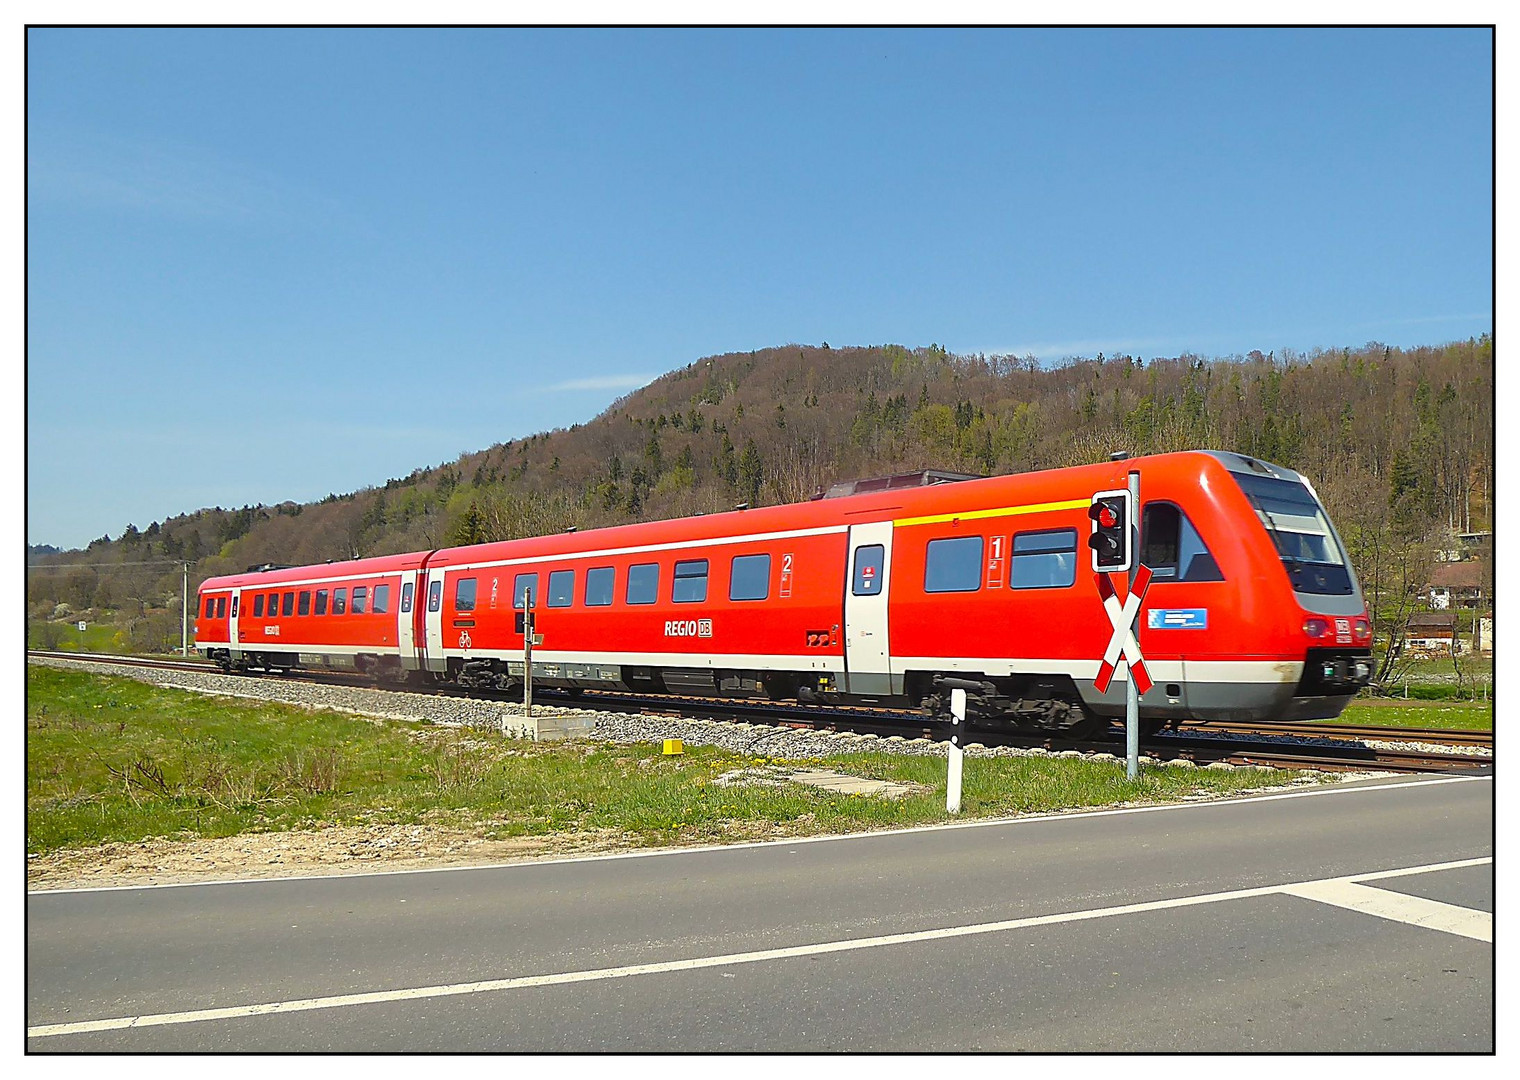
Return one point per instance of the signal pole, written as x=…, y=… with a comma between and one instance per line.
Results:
x=1131, y=691
x=184, y=613
x=528, y=653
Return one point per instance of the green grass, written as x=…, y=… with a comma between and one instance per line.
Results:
x=1396, y=712
x=97, y=637
x=110, y=759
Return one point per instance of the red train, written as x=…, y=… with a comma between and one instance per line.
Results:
x=1253, y=610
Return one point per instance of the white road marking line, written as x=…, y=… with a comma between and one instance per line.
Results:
x=601, y=974
x=1416, y=910
x=710, y=849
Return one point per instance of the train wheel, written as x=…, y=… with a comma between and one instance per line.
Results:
x=1089, y=727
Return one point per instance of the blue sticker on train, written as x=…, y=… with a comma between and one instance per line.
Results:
x=1190, y=618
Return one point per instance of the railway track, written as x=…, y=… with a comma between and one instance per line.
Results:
x=1335, y=747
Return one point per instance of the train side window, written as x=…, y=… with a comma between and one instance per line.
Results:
x=340, y=601
x=361, y=593
x=599, y=584
x=643, y=583
x=221, y=607
x=1172, y=548
x=690, y=584
x=749, y=577
x=562, y=588
x=258, y=606
x=406, y=597
x=525, y=591
x=464, y=594
x=303, y=605
x=234, y=605
x=288, y=605
x=868, y=566
x=321, y=601
x=953, y=565
x=272, y=605
x=210, y=606
x=1044, y=560
x=435, y=595
x=382, y=600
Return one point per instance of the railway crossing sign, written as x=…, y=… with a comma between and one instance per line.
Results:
x=1122, y=619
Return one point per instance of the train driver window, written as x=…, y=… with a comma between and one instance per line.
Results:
x=210, y=606
x=340, y=601
x=435, y=595
x=1172, y=548
x=525, y=591
x=288, y=605
x=1044, y=560
x=321, y=601
x=599, y=583
x=953, y=565
x=464, y=594
x=562, y=588
x=361, y=593
x=690, y=584
x=643, y=583
x=221, y=607
x=303, y=605
x=382, y=602
x=749, y=577
x=406, y=596
x=867, y=579
x=258, y=606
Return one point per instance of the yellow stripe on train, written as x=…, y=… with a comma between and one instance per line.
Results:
x=1001, y=511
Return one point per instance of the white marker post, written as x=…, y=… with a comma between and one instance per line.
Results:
x=955, y=753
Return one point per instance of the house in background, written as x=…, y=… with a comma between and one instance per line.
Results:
x=1457, y=584
x=1431, y=632
x=1437, y=633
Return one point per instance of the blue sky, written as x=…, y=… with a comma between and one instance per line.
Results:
x=272, y=264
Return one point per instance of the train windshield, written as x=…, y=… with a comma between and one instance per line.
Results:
x=1297, y=525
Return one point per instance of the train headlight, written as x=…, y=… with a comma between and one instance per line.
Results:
x=1362, y=629
x=1316, y=627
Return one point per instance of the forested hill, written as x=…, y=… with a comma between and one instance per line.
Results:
x=1399, y=443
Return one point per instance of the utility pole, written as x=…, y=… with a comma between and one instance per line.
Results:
x=184, y=613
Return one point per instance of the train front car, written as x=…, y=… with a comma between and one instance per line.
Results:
x=1252, y=592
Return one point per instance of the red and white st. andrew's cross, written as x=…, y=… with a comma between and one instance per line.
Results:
x=1122, y=618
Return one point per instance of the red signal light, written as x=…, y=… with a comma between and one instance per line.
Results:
x=1106, y=517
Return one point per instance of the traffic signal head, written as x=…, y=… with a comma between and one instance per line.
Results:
x=1110, y=540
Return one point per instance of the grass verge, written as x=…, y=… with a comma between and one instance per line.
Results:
x=1398, y=713
x=114, y=760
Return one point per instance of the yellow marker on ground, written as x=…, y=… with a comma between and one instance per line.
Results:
x=673, y=746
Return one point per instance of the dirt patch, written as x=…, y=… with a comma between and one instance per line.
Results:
x=336, y=849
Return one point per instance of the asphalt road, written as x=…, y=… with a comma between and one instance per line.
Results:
x=1240, y=926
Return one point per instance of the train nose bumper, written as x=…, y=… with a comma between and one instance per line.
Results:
x=1335, y=672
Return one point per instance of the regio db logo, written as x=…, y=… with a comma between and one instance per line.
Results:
x=688, y=628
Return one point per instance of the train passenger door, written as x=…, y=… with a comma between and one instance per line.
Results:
x=232, y=620
x=433, y=621
x=406, y=620
x=867, y=645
